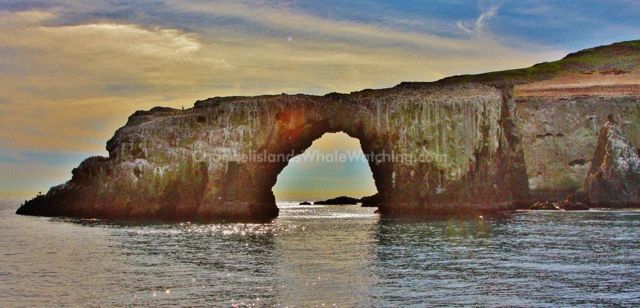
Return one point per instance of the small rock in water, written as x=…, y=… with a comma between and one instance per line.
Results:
x=543, y=205
x=305, y=203
x=342, y=200
x=569, y=205
x=371, y=201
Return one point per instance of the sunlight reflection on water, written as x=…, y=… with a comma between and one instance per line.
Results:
x=314, y=255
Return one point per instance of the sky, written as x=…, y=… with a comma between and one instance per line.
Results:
x=71, y=72
x=321, y=172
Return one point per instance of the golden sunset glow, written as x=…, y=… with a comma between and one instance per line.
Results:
x=70, y=74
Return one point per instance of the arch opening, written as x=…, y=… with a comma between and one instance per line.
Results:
x=333, y=166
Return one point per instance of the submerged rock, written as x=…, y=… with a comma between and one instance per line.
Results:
x=614, y=177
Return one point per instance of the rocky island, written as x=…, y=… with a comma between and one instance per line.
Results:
x=342, y=200
x=462, y=145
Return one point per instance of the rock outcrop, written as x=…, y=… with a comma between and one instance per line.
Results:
x=371, y=201
x=461, y=145
x=560, y=135
x=614, y=177
x=572, y=206
x=560, y=107
x=567, y=205
x=544, y=205
x=342, y=200
x=437, y=149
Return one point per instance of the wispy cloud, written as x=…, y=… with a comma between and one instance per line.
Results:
x=287, y=20
x=73, y=84
x=479, y=26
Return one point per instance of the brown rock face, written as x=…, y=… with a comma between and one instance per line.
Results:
x=560, y=106
x=560, y=135
x=461, y=145
x=437, y=150
x=614, y=178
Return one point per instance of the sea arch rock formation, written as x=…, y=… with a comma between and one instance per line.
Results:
x=480, y=143
x=439, y=149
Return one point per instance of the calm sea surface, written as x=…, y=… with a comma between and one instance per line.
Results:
x=333, y=255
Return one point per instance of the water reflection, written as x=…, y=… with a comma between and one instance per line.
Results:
x=328, y=261
x=325, y=255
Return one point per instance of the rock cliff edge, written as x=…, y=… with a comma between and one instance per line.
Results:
x=462, y=145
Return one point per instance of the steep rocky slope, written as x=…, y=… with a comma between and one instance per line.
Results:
x=462, y=145
x=560, y=107
x=560, y=117
x=614, y=177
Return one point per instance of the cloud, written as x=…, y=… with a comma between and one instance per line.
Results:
x=479, y=26
x=285, y=20
x=156, y=43
x=65, y=86
x=79, y=82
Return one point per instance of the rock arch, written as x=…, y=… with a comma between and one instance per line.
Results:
x=442, y=149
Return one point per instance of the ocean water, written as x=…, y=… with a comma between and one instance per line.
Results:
x=329, y=255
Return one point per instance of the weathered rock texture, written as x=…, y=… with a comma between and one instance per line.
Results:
x=478, y=143
x=443, y=149
x=560, y=135
x=560, y=107
x=614, y=177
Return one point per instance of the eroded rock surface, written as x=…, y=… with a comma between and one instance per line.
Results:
x=438, y=149
x=614, y=177
x=476, y=143
x=560, y=107
x=561, y=133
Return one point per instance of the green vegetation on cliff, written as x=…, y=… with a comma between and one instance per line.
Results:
x=617, y=58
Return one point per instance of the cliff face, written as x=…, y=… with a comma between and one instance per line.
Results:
x=440, y=149
x=460, y=145
x=561, y=133
x=560, y=106
x=560, y=117
x=614, y=177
